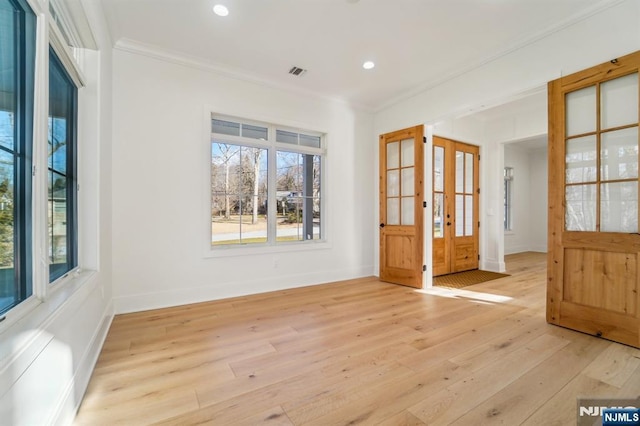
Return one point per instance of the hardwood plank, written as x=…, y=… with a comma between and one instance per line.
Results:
x=403, y=418
x=514, y=403
x=561, y=409
x=444, y=407
x=361, y=352
x=615, y=365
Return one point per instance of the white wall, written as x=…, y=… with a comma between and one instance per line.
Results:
x=529, y=198
x=160, y=159
x=577, y=46
x=47, y=356
x=539, y=199
x=517, y=240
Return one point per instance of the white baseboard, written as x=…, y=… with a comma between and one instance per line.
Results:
x=493, y=266
x=184, y=296
x=516, y=249
x=542, y=248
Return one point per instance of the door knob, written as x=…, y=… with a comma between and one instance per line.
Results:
x=382, y=225
x=448, y=223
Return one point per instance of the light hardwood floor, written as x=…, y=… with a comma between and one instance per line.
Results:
x=358, y=352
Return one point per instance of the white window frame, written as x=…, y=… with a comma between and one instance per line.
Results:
x=47, y=296
x=272, y=147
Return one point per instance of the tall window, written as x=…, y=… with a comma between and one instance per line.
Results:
x=508, y=183
x=265, y=183
x=17, y=64
x=62, y=170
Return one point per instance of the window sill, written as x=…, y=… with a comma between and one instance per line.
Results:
x=246, y=250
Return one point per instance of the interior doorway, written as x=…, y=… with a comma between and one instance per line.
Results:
x=456, y=193
x=525, y=189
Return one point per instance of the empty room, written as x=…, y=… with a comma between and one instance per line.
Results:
x=322, y=212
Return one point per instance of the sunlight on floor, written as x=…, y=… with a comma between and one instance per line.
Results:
x=465, y=294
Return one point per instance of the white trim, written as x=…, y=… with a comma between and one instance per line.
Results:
x=427, y=281
x=183, y=296
x=257, y=249
x=157, y=52
x=57, y=42
x=39, y=216
x=74, y=23
x=517, y=45
x=178, y=58
x=493, y=266
x=520, y=248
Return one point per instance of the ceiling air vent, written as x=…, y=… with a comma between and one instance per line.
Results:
x=299, y=72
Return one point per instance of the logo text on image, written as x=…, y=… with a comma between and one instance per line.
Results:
x=620, y=411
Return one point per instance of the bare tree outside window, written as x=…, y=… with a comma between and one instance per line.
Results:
x=240, y=181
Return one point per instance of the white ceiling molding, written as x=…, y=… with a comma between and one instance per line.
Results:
x=581, y=16
x=430, y=43
x=156, y=52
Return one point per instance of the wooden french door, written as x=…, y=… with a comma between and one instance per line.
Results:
x=594, y=245
x=455, y=206
x=401, y=206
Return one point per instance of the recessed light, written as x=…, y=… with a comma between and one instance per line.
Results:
x=368, y=65
x=220, y=10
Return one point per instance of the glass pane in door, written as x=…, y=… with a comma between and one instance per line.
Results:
x=459, y=215
x=393, y=155
x=619, y=207
x=393, y=211
x=438, y=216
x=468, y=215
x=468, y=173
x=581, y=111
x=438, y=169
x=581, y=208
x=407, y=153
x=581, y=159
x=408, y=210
x=619, y=101
x=408, y=181
x=459, y=171
x=393, y=183
x=619, y=154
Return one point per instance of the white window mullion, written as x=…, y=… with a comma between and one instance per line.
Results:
x=272, y=213
x=40, y=219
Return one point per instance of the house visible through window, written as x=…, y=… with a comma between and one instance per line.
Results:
x=265, y=183
x=62, y=170
x=17, y=65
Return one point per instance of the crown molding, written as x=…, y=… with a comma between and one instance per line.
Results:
x=517, y=45
x=159, y=53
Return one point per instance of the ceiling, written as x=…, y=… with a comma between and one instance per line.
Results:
x=415, y=44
